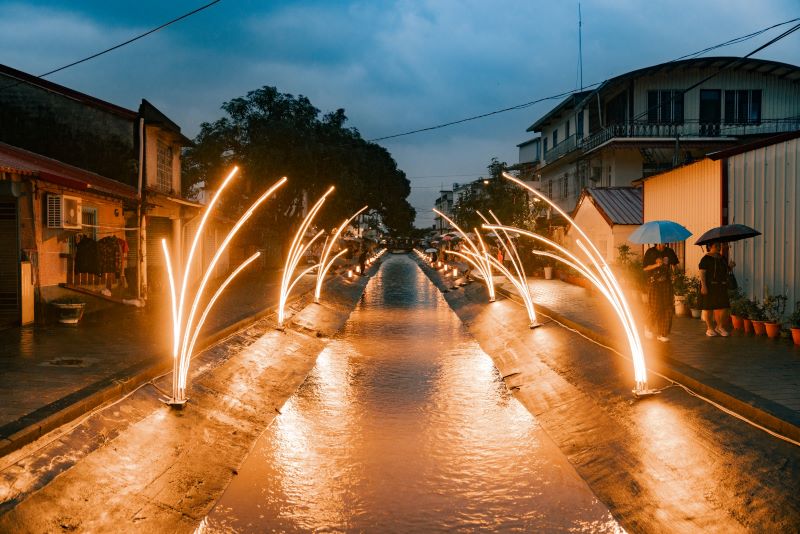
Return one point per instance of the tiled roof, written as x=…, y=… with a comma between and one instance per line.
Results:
x=17, y=160
x=620, y=205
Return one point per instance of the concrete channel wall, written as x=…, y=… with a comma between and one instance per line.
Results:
x=138, y=466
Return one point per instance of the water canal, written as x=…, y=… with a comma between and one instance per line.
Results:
x=405, y=425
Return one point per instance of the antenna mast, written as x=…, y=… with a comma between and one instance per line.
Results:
x=580, y=46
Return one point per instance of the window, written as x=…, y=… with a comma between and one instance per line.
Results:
x=565, y=187
x=579, y=125
x=665, y=107
x=566, y=129
x=555, y=138
x=550, y=189
x=743, y=106
x=545, y=146
x=164, y=167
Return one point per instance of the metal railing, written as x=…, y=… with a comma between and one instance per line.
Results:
x=688, y=129
x=567, y=145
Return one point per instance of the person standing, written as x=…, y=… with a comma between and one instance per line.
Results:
x=714, y=299
x=362, y=260
x=658, y=264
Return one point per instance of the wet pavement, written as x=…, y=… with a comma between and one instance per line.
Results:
x=41, y=365
x=405, y=425
x=666, y=463
x=138, y=466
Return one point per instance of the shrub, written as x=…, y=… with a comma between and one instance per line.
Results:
x=774, y=306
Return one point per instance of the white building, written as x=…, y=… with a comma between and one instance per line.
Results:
x=656, y=118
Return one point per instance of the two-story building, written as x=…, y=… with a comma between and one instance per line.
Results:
x=656, y=118
x=74, y=168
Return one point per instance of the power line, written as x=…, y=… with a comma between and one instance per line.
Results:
x=729, y=42
x=120, y=45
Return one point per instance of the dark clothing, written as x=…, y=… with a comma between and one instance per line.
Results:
x=659, y=290
x=362, y=259
x=109, y=255
x=716, y=272
x=86, y=257
x=663, y=273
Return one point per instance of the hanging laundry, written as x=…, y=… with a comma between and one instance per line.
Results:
x=86, y=260
x=108, y=255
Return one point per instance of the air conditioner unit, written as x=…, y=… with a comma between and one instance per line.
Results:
x=63, y=212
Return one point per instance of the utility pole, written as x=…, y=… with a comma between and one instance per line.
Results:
x=580, y=46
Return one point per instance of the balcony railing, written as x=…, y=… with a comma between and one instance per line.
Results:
x=567, y=145
x=687, y=129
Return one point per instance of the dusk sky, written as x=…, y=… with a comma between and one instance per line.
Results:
x=393, y=66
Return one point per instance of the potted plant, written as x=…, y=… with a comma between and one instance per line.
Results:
x=70, y=309
x=680, y=287
x=774, y=306
x=548, y=270
x=738, y=310
x=794, y=323
x=757, y=316
x=693, y=296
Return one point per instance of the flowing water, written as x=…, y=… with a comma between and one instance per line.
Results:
x=404, y=425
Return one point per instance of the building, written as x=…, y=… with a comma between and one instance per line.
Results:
x=757, y=184
x=74, y=165
x=656, y=118
x=607, y=215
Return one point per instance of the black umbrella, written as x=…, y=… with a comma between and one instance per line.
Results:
x=726, y=233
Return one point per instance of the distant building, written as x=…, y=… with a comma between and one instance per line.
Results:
x=656, y=118
x=757, y=184
x=73, y=164
x=607, y=215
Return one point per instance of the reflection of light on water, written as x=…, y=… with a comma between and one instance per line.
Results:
x=405, y=425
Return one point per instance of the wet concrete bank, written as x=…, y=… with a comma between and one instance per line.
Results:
x=139, y=466
x=669, y=463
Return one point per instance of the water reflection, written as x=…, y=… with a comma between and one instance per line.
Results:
x=404, y=425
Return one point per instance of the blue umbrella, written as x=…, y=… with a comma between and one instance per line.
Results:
x=659, y=232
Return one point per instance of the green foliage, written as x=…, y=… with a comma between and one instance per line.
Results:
x=504, y=198
x=774, y=306
x=794, y=318
x=271, y=134
x=630, y=267
x=680, y=283
x=754, y=311
x=692, y=291
x=738, y=302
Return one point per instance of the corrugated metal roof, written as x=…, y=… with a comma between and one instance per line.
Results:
x=621, y=205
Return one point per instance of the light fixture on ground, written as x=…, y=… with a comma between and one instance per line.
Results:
x=475, y=256
x=186, y=331
x=324, y=262
x=296, y=252
x=599, y=273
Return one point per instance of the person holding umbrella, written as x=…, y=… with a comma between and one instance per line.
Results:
x=658, y=263
x=714, y=272
x=714, y=289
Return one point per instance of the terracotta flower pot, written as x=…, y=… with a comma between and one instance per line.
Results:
x=796, y=335
x=773, y=329
x=695, y=313
x=748, y=325
x=758, y=328
x=738, y=322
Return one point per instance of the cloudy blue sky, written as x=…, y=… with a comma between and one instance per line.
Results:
x=393, y=65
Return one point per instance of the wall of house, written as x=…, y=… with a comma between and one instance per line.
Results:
x=596, y=227
x=153, y=135
x=51, y=243
x=689, y=195
x=764, y=193
x=626, y=166
x=530, y=152
x=75, y=130
x=780, y=97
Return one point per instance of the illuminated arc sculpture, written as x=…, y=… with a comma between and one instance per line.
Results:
x=324, y=263
x=519, y=281
x=296, y=252
x=477, y=257
x=599, y=273
x=186, y=330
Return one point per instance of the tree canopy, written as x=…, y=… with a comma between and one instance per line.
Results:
x=504, y=198
x=271, y=134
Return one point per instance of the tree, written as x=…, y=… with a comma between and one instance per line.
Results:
x=504, y=198
x=271, y=134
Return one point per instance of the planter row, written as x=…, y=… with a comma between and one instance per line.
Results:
x=759, y=328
